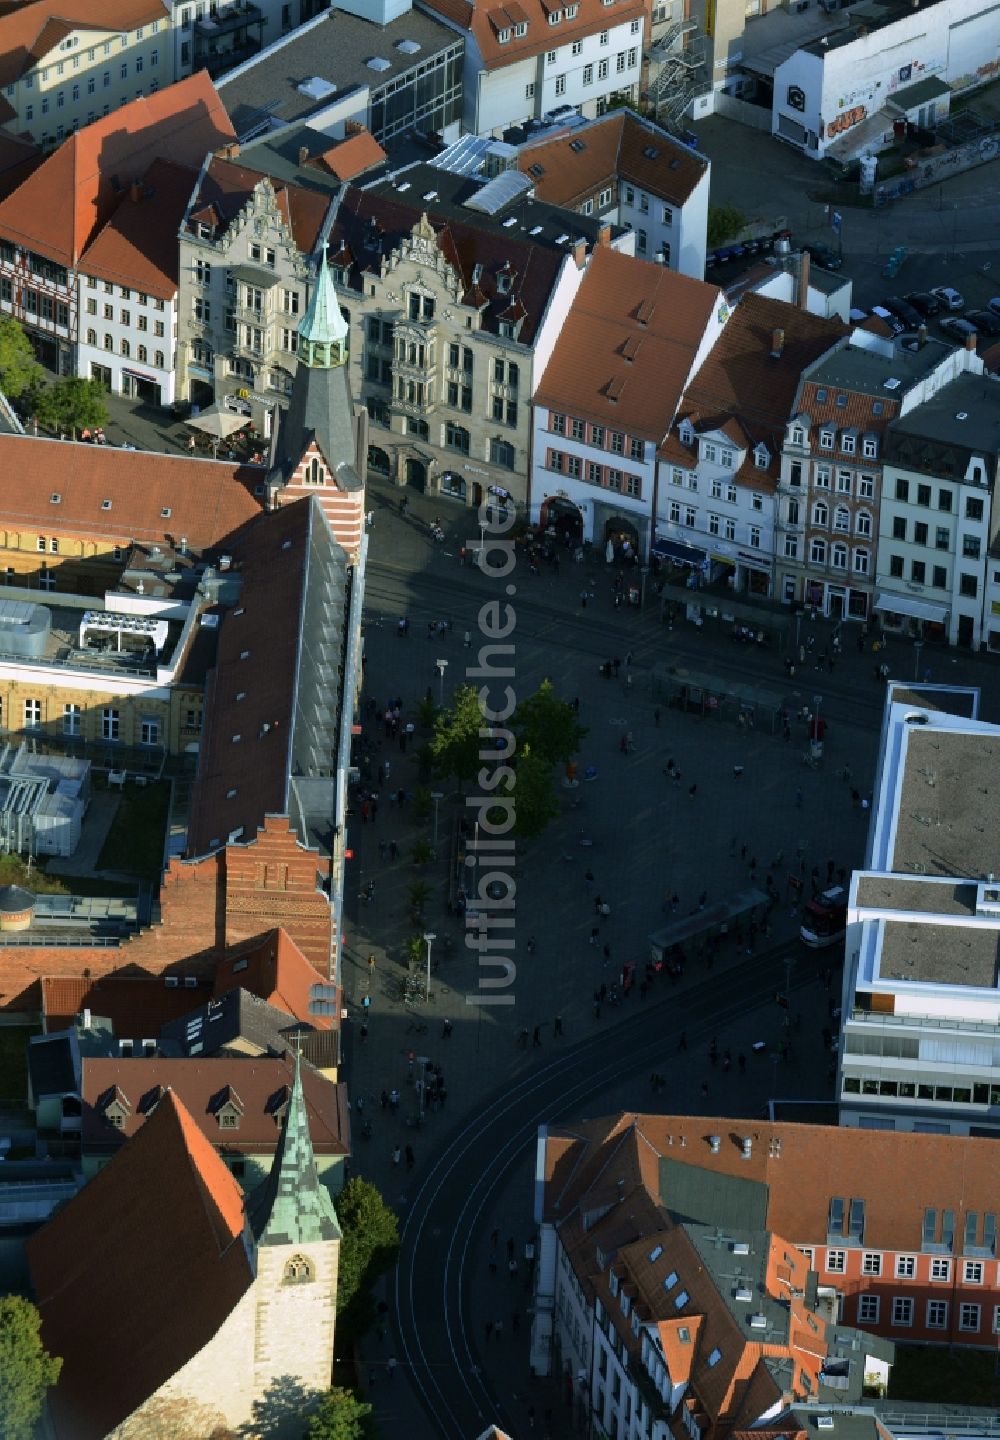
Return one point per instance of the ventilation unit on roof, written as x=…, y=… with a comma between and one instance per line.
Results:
x=431, y=195
x=404, y=186
x=561, y=239
x=824, y=1422
x=378, y=62
x=892, y=383
x=758, y=1322
x=316, y=87
x=509, y=222
x=408, y=47
x=535, y=230
x=744, y=1294
x=962, y=415
x=741, y=1247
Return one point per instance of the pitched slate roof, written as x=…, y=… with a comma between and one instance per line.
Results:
x=263, y=1084
x=96, y=165
x=138, y=1272
x=154, y=498
x=487, y=19
x=567, y=169
x=137, y=248
x=626, y=351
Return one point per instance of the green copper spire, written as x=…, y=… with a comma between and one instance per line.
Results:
x=323, y=329
x=291, y=1207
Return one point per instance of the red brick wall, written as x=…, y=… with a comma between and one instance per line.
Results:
x=274, y=881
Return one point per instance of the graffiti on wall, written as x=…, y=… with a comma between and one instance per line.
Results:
x=940, y=167
x=846, y=120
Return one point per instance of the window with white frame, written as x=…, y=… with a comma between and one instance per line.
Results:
x=817, y=552
x=842, y=518
x=714, y=524
x=972, y=1272
x=821, y=513
x=871, y=1263
x=791, y=547
x=848, y=442
x=32, y=713
x=676, y=476
x=709, y=451
x=716, y=489
x=902, y=1310
x=996, y=1319
x=866, y=487
x=754, y=537
x=731, y=494
x=690, y=516
x=868, y=1308
x=906, y=1267
x=675, y=512
x=863, y=522
x=730, y=529
x=838, y=556
x=937, y=1314
x=756, y=500
x=826, y=439
x=822, y=477
x=969, y=1316
x=844, y=482
x=726, y=459
x=862, y=562
x=940, y=1269
x=869, y=447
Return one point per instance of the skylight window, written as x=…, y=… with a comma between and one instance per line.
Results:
x=714, y=1358
x=670, y=1281
x=55, y=498
x=681, y=1299
x=165, y=513
x=655, y=1253
x=105, y=504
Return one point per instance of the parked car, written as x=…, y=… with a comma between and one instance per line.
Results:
x=984, y=320
x=824, y=256
x=893, y=321
x=910, y=316
x=923, y=301
x=994, y=304
x=951, y=299
x=958, y=328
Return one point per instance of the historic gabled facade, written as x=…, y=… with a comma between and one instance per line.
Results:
x=245, y=248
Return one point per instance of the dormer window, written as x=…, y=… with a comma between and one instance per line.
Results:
x=504, y=36
x=686, y=432
x=555, y=16
x=826, y=438
x=229, y=1109
x=798, y=435
x=521, y=29
x=849, y=442
x=869, y=447
x=761, y=457
x=572, y=11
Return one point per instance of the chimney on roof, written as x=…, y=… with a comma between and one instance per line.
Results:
x=921, y=336
x=135, y=192
x=777, y=344
x=803, y=295
x=604, y=235
x=580, y=253
x=971, y=340
x=353, y=127
x=230, y=151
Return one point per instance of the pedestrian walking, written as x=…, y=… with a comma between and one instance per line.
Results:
x=446, y=1030
x=557, y=1026
x=467, y=639
x=495, y=1239
x=411, y=1159
x=493, y=1263
x=588, y=881
x=498, y=1329
x=594, y=934
x=390, y=1366
x=536, y=1037
x=396, y=1155
x=512, y=1269
x=692, y=791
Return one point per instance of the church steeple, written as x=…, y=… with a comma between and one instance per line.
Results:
x=323, y=329
x=291, y=1207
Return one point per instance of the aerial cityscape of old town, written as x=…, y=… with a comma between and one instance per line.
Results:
x=499, y=720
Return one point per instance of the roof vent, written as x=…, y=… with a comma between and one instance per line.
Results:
x=715, y=1143
x=824, y=1422
x=105, y=504
x=408, y=47
x=777, y=344
x=892, y=383
x=744, y=1294
x=962, y=415
x=431, y=195
x=741, y=1247
x=317, y=88
x=758, y=1321
x=378, y=62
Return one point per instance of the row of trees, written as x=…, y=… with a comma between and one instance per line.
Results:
x=546, y=734
x=67, y=406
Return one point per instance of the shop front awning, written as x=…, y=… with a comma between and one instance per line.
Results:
x=910, y=605
x=672, y=550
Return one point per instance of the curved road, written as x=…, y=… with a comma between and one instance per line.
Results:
x=435, y=1281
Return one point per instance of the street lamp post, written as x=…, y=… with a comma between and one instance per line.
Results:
x=442, y=666
x=437, y=796
x=429, y=939
x=918, y=646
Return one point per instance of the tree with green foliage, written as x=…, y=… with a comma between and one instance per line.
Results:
x=370, y=1244
x=71, y=405
x=547, y=726
x=536, y=802
x=456, y=742
x=724, y=223
x=340, y=1415
x=20, y=372
x=27, y=1370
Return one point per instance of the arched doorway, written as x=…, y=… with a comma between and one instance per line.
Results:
x=623, y=537
x=562, y=517
x=416, y=474
x=378, y=461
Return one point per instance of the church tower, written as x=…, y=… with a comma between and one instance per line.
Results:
x=321, y=446
x=298, y=1252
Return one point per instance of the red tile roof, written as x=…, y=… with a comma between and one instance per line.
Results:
x=487, y=18
x=138, y=1272
x=261, y=1085
x=275, y=969
x=29, y=32
x=136, y=1005
x=619, y=146
x=208, y=501
x=96, y=165
x=351, y=157
x=226, y=187
x=628, y=307
x=137, y=248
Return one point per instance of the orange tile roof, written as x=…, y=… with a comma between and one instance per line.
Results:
x=138, y=246
x=626, y=304
x=351, y=157
x=275, y=969
x=895, y=1172
x=226, y=187
x=486, y=18
x=262, y=1084
x=138, y=1272
x=209, y=501
x=621, y=145
x=28, y=32
x=96, y=165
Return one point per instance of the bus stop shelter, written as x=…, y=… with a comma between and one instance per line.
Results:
x=721, y=697
x=715, y=920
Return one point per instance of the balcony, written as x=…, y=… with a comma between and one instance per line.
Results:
x=227, y=19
